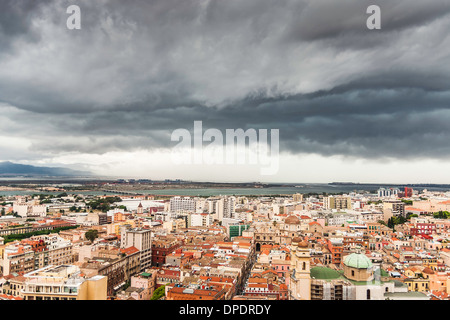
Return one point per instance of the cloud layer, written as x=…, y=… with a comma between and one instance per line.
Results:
x=140, y=69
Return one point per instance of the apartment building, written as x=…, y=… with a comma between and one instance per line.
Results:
x=63, y=283
x=30, y=209
x=163, y=247
x=200, y=220
x=397, y=207
x=225, y=208
x=339, y=203
x=35, y=253
x=182, y=204
x=117, y=266
x=142, y=240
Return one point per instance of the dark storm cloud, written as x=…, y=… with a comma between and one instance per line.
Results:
x=139, y=69
x=15, y=21
x=402, y=123
x=329, y=19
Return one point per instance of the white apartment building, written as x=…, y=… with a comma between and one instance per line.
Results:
x=201, y=220
x=243, y=215
x=387, y=192
x=182, y=204
x=338, y=219
x=225, y=208
x=30, y=209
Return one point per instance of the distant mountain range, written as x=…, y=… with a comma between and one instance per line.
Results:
x=13, y=169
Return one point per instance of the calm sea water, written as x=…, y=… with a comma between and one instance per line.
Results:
x=305, y=188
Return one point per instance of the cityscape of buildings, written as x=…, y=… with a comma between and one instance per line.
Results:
x=389, y=245
x=253, y=153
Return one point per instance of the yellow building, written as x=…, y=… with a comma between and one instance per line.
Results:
x=337, y=202
x=431, y=263
x=418, y=284
x=14, y=286
x=114, y=228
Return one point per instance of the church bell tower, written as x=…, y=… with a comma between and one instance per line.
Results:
x=300, y=279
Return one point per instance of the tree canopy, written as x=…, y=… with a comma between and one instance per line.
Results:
x=159, y=293
x=91, y=235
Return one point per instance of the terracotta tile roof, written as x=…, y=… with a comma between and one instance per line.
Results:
x=129, y=250
x=217, y=279
x=440, y=294
x=9, y=297
x=428, y=270
x=269, y=271
x=18, y=278
x=257, y=280
x=256, y=285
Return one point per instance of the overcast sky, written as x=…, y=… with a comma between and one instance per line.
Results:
x=351, y=104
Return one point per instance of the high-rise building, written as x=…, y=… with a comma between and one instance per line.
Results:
x=394, y=207
x=182, y=204
x=225, y=208
x=229, y=207
x=141, y=239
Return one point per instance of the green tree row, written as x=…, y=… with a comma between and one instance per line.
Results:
x=14, y=237
x=441, y=215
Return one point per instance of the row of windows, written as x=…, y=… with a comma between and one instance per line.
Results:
x=48, y=298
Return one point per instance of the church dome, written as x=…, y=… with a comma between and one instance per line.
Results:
x=297, y=240
x=358, y=261
x=303, y=244
x=292, y=220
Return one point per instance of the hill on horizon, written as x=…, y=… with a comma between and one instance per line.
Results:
x=8, y=168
